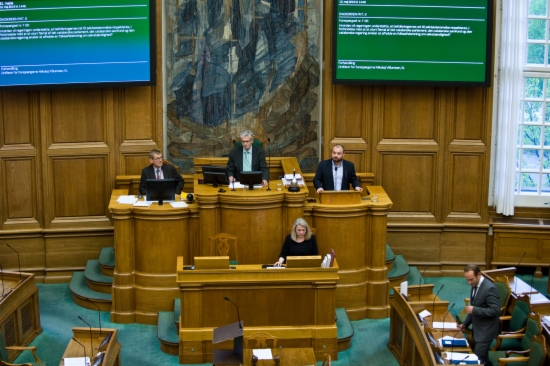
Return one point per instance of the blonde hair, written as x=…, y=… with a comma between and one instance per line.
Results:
x=300, y=222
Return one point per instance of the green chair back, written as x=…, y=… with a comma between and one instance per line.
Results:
x=3, y=350
x=255, y=143
x=504, y=292
x=520, y=314
x=538, y=351
x=533, y=328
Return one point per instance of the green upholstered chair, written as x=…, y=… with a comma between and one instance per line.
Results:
x=4, y=354
x=535, y=357
x=515, y=323
x=519, y=343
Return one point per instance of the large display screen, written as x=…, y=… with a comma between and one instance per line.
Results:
x=53, y=43
x=424, y=42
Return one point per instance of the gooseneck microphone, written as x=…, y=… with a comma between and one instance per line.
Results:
x=236, y=307
x=433, y=304
x=515, y=276
x=443, y=330
x=269, y=163
x=18, y=261
x=98, y=313
x=74, y=339
x=91, y=343
x=421, y=278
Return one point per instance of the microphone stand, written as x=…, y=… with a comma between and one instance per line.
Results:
x=269, y=164
x=18, y=261
x=98, y=312
x=515, y=277
x=238, y=315
x=421, y=277
x=433, y=304
x=91, y=340
x=74, y=339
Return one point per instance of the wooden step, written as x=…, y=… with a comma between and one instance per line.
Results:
x=85, y=297
x=107, y=261
x=167, y=333
x=96, y=280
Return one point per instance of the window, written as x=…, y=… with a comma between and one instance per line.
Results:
x=533, y=143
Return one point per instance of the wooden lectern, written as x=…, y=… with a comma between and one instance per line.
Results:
x=340, y=197
x=233, y=331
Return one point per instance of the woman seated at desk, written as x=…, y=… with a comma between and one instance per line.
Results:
x=299, y=242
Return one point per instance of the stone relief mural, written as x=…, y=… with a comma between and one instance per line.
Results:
x=232, y=65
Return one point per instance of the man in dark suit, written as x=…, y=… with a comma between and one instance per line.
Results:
x=247, y=158
x=483, y=312
x=158, y=170
x=336, y=174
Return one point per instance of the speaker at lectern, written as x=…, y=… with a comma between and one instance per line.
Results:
x=232, y=331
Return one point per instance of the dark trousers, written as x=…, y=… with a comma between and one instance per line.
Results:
x=481, y=349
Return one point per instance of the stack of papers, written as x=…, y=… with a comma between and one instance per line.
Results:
x=444, y=325
x=127, y=200
x=76, y=361
x=424, y=313
x=459, y=358
x=262, y=353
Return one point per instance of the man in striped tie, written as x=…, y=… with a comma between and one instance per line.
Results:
x=158, y=170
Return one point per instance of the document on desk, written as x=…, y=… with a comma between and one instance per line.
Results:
x=462, y=358
x=444, y=325
x=178, y=204
x=127, y=200
x=263, y=353
x=449, y=341
x=143, y=203
x=76, y=361
x=239, y=185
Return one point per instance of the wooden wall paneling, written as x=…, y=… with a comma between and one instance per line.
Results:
x=420, y=245
x=470, y=113
x=19, y=192
x=79, y=190
x=77, y=116
x=132, y=163
x=31, y=253
x=67, y=251
x=410, y=179
x=410, y=113
x=18, y=118
x=460, y=245
x=464, y=198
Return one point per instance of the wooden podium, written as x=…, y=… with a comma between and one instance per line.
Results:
x=19, y=310
x=295, y=305
x=110, y=348
x=340, y=197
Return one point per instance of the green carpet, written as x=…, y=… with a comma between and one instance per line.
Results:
x=140, y=346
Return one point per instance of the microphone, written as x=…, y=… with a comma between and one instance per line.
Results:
x=452, y=343
x=236, y=307
x=91, y=343
x=98, y=313
x=443, y=330
x=18, y=261
x=515, y=277
x=421, y=277
x=433, y=304
x=74, y=339
x=463, y=359
x=269, y=163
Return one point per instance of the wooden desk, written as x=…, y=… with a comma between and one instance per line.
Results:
x=146, y=238
x=112, y=349
x=295, y=305
x=19, y=311
x=408, y=341
x=288, y=356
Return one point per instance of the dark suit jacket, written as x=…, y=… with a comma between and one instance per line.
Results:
x=235, y=162
x=485, y=317
x=167, y=170
x=325, y=179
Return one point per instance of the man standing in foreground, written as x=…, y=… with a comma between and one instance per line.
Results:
x=158, y=170
x=246, y=158
x=336, y=174
x=483, y=312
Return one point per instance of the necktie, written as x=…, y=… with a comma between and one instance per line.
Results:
x=247, y=161
x=474, y=291
x=158, y=173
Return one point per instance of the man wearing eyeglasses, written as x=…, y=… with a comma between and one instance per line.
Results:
x=158, y=170
x=246, y=158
